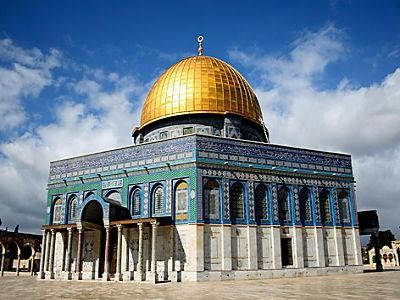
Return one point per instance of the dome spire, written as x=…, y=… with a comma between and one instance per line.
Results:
x=200, y=39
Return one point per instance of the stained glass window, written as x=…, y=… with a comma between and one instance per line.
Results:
x=73, y=209
x=344, y=207
x=283, y=202
x=305, y=205
x=261, y=202
x=237, y=200
x=57, y=211
x=211, y=200
x=325, y=207
x=136, y=198
x=158, y=200
x=181, y=197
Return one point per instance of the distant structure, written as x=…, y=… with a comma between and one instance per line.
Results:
x=19, y=252
x=202, y=195
x=389, y=255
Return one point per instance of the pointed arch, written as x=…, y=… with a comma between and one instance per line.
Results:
x=58, y=208
x=324, y=199
x=284, y=204
x=305, y=205
x=181, y=197
x=135, y=201
x=344, y=210
x=211, y=198
x=261, y=202
x=237, y=202
x=72, y=209
x=158, y=199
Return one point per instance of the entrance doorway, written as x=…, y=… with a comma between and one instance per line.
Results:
x=286, y=252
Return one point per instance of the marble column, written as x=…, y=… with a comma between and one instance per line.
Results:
x=173, y=276
x=106, y=274
x=79, y=254
x=47, y=253
x=118, y=275
x=52, y=249
x=42, y=256
x=139, y=274
x=18, y=264
x=68, y=255
x=32, y=262
x=153, y=268
x=3, y=252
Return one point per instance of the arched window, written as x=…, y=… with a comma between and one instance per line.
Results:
x=158, y=200
x=57, y=210
x=136, y=199
x=283, y=204
x=73, y=209
x=305, y=205
x=114, y=195
x=237, y=201
x=261, y=202
x=344, y=207
x=211, y=200
x=181, y=197
x=324, y=205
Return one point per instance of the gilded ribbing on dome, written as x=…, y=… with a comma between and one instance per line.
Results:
x=200, y=84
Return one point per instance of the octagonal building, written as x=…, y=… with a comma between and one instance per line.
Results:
x=201, y=195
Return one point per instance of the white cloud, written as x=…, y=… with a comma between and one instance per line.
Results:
x=29, y=72
x=98, y=114
x=363, y=121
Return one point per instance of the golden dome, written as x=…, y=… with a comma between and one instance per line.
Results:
x=200, y=84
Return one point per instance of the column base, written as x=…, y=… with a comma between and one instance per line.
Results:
x=153, y=277
x=41, y=275
x=175, y=276
x=67, y=275
x=138, y=276
x=49, y=275
x=118, y=277
x=106, y=276
x=77, y=276
x=128, y=275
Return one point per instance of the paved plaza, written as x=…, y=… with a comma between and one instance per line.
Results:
x=372, y=285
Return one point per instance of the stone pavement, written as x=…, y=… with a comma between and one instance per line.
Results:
x=370, y=285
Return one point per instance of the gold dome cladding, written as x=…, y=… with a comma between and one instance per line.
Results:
x=200, y=84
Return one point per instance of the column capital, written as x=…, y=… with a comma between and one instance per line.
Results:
x=155, y=223
x=52, y=230
x=107, y=227
x=69, y=229
x=119, y=226
x=140, y=225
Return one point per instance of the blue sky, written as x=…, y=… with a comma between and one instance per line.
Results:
x=73, y=75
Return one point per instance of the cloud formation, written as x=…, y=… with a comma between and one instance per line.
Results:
x=360, y=120
x=96, y=113
x=28, y=73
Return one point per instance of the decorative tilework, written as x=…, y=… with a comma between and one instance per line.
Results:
x=226, y=201
x=296, y=204
x=275, y=203
x=273, y=152
x=146, y=200
x=317, y=206
x=273, y=178
x=168, y=197
x=336, y=205
x=116, y=159
x=251, y=200
x=199, y=198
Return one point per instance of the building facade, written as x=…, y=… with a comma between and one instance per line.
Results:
x=201, y=195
